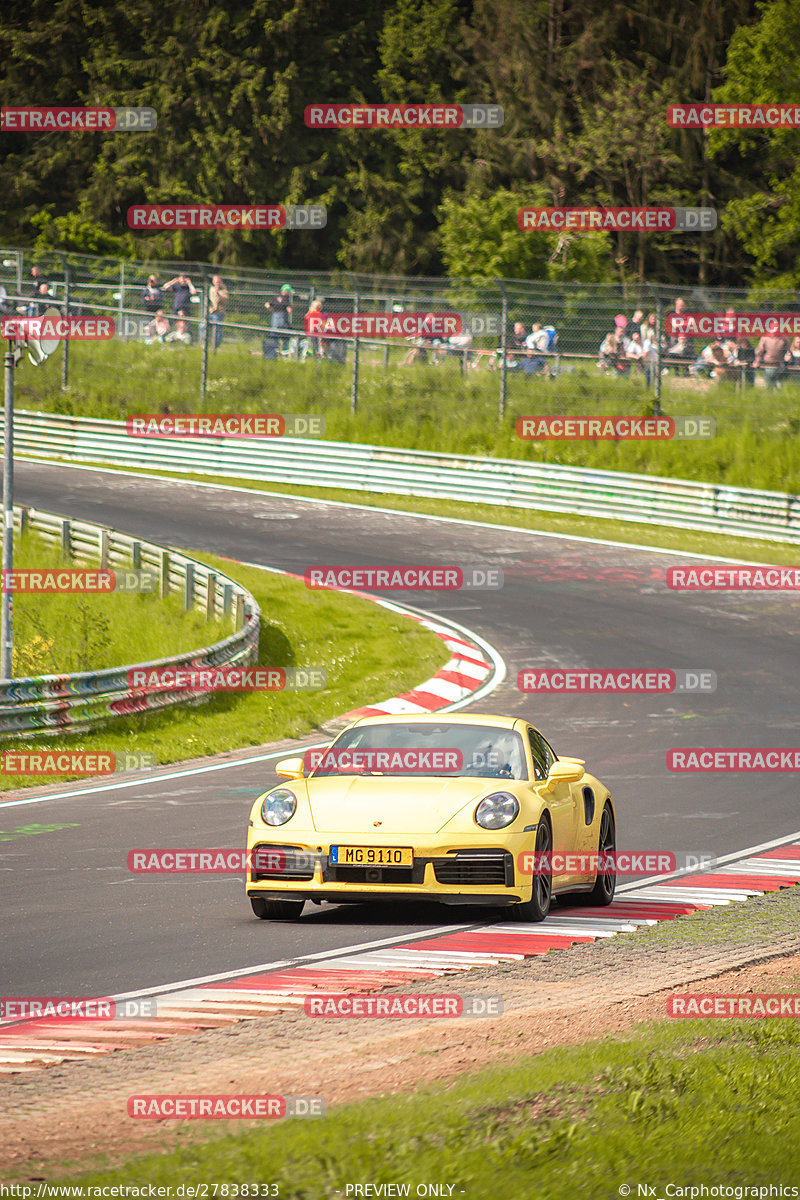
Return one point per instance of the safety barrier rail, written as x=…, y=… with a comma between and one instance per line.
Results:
x=48, y=704
x=714, y=508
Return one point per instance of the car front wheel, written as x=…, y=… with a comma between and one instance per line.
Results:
x=537, y=908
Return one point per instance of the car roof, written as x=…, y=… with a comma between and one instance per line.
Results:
x=438, y=718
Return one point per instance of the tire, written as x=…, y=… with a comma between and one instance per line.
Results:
x=537, y=908
x=605, y=886
x=276, y=910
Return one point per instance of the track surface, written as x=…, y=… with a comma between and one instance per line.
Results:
x=76, y=922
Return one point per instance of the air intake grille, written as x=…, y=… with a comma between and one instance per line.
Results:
x=475, y=868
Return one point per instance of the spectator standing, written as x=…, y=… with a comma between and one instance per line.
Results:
x=793, y=355
x=38, y=281
x=217, y=307
x=312, y=340
x=680, y=347
x=771, y=354
x=182, y=288
x=152, y=299
x=280, y=315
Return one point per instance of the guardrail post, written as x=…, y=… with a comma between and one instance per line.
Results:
x=136, y=556
x=66, y=539
x=105, y=548
x=24, y=520
x=238, y=620
x=188, y=587
x=227, y=601
x=211, y=596
x=164, y=572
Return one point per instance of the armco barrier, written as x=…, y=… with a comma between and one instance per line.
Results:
x=741, y=512
x=48, y=704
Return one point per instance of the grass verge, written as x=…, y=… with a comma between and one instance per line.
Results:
x=683, y=1103
x=368, y=653
x=438, y=408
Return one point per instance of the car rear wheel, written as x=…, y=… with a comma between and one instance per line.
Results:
x=276, y=910
x=537, y=908
x=606, y=884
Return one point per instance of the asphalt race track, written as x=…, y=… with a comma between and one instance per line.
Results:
x=77, y=923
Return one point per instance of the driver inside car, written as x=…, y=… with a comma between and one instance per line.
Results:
x=499, y=758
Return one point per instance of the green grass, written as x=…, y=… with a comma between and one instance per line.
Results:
x=436, y=408
x=682, y=1102
x=368, y=653
x=59, y=633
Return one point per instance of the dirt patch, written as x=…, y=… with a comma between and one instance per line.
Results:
x=76, y=1113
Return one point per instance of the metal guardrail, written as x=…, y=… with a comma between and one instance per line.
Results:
x=643, y=499
x=48, y=704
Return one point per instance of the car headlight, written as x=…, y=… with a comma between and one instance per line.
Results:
x=496, y=811
x=278, y=807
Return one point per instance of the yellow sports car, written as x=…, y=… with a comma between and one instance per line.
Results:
x=459, y=808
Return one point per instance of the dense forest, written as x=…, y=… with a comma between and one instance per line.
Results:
x=584, y=85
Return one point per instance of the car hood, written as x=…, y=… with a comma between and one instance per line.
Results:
x=351, y=804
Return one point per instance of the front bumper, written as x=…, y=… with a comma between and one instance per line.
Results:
x=451, y=874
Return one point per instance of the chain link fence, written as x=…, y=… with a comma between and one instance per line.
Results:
x=214, y=321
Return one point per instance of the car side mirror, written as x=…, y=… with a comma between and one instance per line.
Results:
x=564, y=771
x=290, y=768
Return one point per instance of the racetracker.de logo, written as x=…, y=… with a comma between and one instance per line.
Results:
x=415, y=1004
x=73, y=120
x=383, y=325
x=627, y=682
x=385, y=758
x=625, y=220
x=610, y=862
x=733, y=116
x=733, y=325
x=719, y=758
x=73, y=762
x=731, y=1004
x=227, y=216
x=216, y=425
x=405, y=579
x=226, y=679
x=75, y=1008
x=403, y=116
x=159, y=861
x=226, y=1108
x=78, y=581
x=47, y=328
x=554, y=428
x=733, y=579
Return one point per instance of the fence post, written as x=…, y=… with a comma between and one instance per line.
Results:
x=121, y=315
x=204, y=358
x=354, y=387
x=503, y=364
x=657, y=384
x=65, y=343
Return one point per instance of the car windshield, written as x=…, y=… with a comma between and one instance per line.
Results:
x=440, y=749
